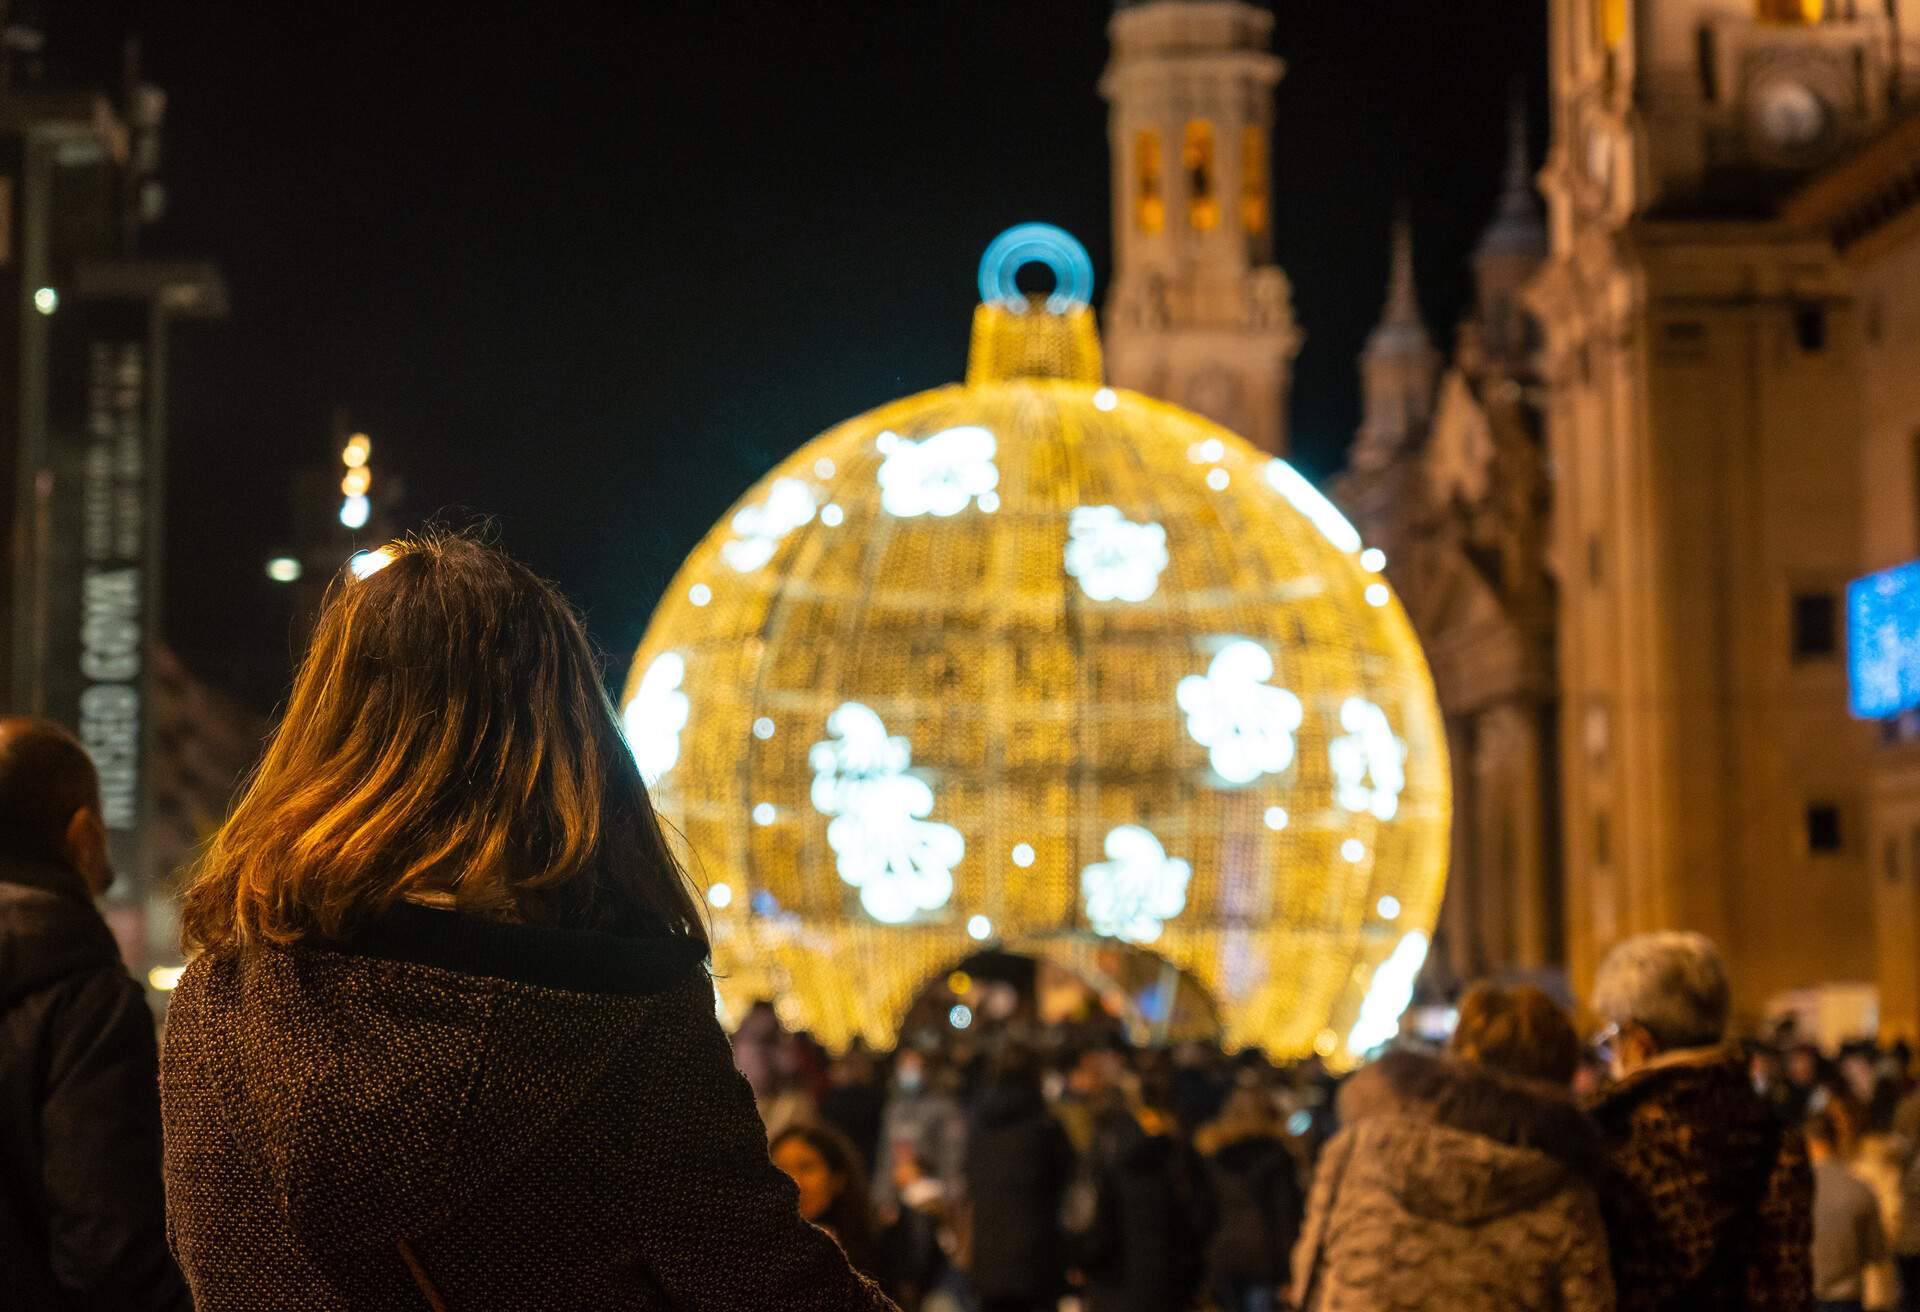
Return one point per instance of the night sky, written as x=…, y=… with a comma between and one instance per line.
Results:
x=592, y=271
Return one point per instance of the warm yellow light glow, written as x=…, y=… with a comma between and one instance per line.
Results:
x=165, y=979
x=1185, y=738
x=1150, y=204
x=358, y=450
x=1254, y=201
x=356, y=482
x=1196, y=156
x=959, y=983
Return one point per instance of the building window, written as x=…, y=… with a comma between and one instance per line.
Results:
x=1254, y=199
x=1150, y=204
x=1791, y=11
x=1810, y=328
x=1196, y=156
x=1610, y=22
x=1816, y=625
x=1823, y=829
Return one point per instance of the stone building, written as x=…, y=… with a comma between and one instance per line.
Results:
x=1448, y=477
x=1198, y=312
x=1702, y=362
x=1868, y=207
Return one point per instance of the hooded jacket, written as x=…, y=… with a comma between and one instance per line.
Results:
x=81, y=1216
x=513, y=1116
x=1452, y=1187
x=1708, y=1194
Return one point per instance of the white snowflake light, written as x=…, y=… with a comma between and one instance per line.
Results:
x=1369, y=762
x=1114, y=558
x=759, y=528
x=656, y=715
x=1246, y=724
x=1137, y=889
x=1388, y=995
x=939, y=475
x=882, y=841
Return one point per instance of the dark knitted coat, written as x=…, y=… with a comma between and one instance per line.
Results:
x=1708, y=1194
x=1454, y=1189
x=543, y=1118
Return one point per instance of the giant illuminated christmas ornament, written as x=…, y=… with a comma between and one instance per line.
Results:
x=1037, y=663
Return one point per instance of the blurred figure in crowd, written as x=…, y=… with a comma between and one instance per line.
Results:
x=1709, y=1194
x=1092, y=1092
x=854, y=1103
x=450, y=1038
x=756, y=1048
x=914, y=1246
x=1018, y=1166
x=831, y=1179
x=1804, y=1070
x=1906, y=1235
x=82, y=1219
x=1153, y=1215
x=1464, y=1183
x=1256, y=1188
x=926, y=1120
x=1847, y=1235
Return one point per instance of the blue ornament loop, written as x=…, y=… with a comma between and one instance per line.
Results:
x=1037, y=243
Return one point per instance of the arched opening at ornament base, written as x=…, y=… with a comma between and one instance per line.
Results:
x=1079, y=984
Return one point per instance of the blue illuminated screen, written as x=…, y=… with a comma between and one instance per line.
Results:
x=1883, y=642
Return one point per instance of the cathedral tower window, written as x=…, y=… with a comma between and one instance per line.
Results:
x=1150, y=205
x=1196, y=156
x=1254, y=200
x=1791, y=11
x=1610, y=22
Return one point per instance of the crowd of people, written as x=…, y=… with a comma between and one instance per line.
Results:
x=1653, y=1165
x=447, y=1040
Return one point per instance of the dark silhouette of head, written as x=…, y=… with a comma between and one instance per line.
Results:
x=50, y=801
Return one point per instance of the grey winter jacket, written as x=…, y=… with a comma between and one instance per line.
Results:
x=1453, y=1188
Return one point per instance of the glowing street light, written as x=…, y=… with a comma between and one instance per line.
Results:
x=355, y=484
x=283, y=569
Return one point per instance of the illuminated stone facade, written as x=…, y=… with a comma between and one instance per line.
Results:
x=1448, y=477
x=1198, y=312
x=1704, y=348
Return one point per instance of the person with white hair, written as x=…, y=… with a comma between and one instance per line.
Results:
x=1708, y=1201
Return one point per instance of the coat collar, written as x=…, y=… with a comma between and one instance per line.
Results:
x=577, y=960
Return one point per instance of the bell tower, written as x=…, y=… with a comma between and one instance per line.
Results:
x=1198, y=313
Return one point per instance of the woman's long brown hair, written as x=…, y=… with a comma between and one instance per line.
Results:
x=448, y=735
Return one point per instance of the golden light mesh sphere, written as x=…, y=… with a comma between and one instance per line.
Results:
x=1030, y=661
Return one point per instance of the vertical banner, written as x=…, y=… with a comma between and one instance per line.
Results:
x=100, y=573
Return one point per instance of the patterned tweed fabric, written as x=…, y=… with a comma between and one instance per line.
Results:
x=537, y=1147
